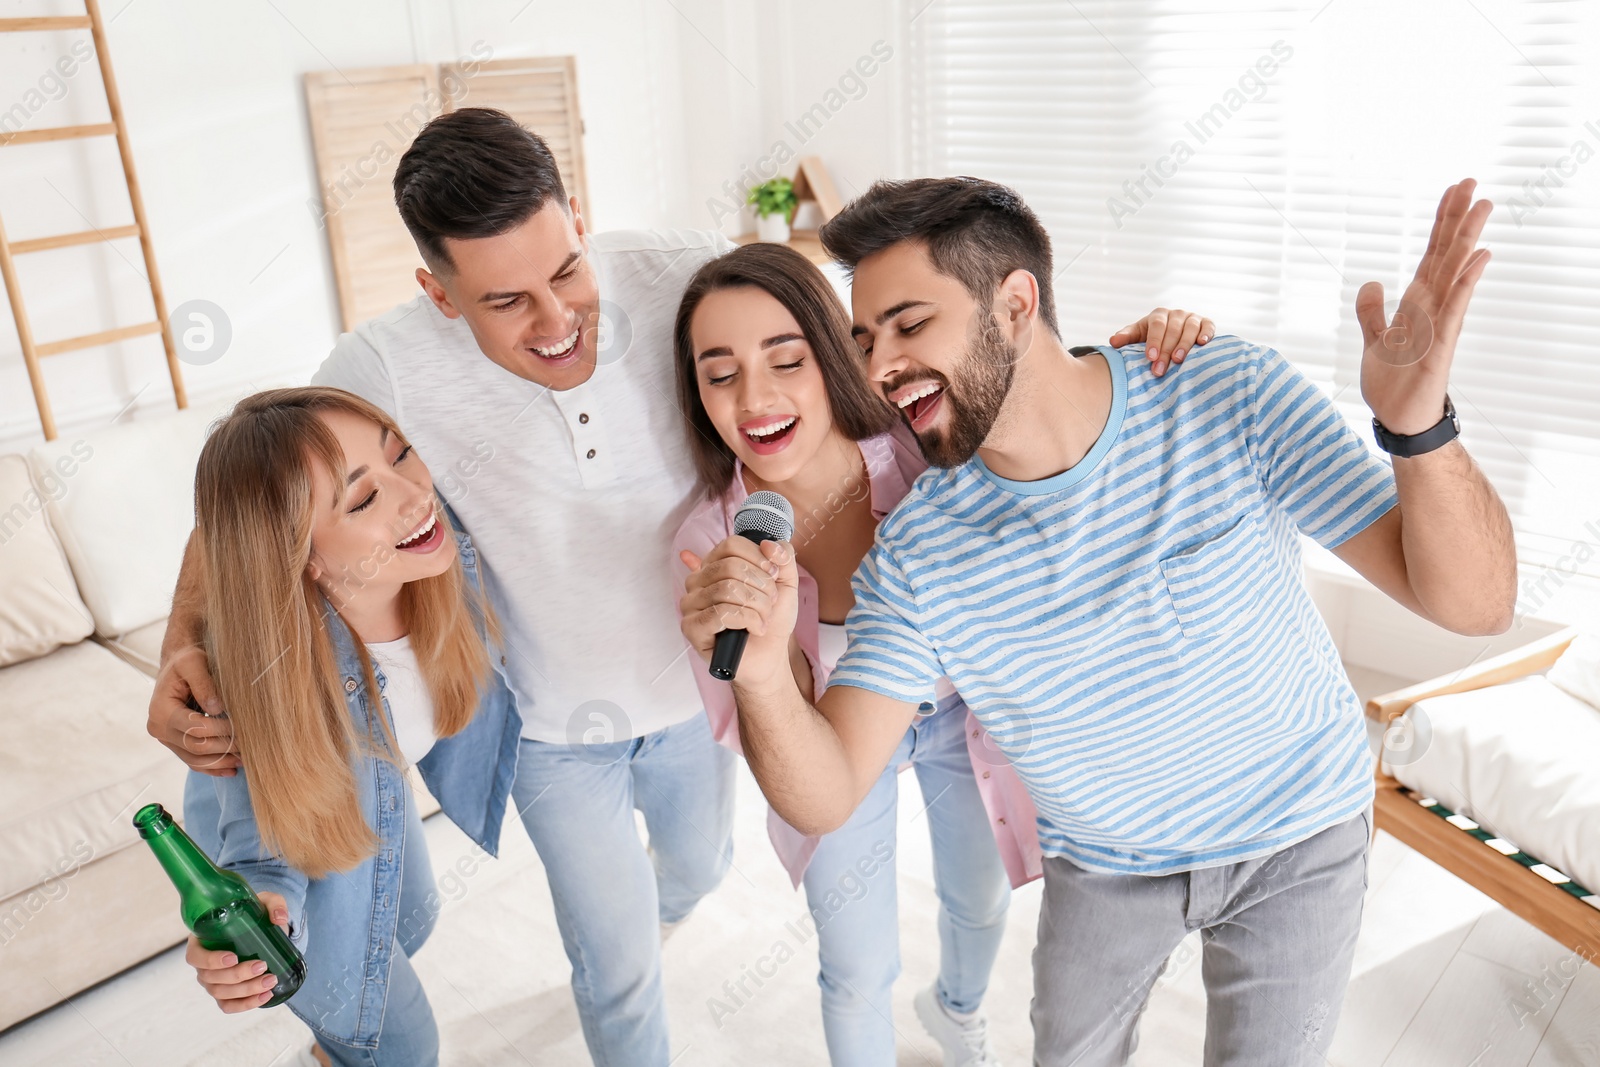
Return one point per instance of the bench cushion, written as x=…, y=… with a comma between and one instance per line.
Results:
x=1578, y=670
x=1521, y=760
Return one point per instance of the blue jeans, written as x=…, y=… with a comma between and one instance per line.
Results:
x=610, y=893
x=410, y=1036
x=850, y=889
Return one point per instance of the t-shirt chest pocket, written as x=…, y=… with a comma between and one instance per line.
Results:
x=1213, y=583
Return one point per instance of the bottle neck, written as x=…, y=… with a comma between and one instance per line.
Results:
x=202, y=886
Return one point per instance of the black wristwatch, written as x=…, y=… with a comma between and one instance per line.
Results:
x=1406, y=446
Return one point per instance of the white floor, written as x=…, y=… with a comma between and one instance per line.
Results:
x=1443, y=977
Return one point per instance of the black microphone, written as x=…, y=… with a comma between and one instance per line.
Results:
x=764, y=516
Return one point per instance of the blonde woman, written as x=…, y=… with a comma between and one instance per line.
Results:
x=347, y=632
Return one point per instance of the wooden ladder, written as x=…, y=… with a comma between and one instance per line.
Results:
x=32, y=352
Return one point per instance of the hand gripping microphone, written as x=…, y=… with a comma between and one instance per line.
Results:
x=764, y=516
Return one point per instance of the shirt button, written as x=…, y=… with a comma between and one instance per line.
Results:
x=502, y=661
x=349, y=685
x=591, y=453
x=986, y=774
x=583, y=417
x=1002, y=820
x=974, y=733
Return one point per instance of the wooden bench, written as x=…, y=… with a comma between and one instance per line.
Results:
x=1562, y=913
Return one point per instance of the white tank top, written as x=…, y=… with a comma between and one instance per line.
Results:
x=830, y=644
x=410, y=703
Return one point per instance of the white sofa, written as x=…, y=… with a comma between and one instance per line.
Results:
x=92, y=529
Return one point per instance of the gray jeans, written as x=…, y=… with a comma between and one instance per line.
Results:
x=1278, y=934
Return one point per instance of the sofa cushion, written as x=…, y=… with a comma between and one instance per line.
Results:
x=1520, y=760
x=81, y=927
x=126, y=512
x=40, y=608
x=1577, y=671
x=77, y=762
x=141, y=647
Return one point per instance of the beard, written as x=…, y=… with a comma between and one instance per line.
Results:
x=973, y=397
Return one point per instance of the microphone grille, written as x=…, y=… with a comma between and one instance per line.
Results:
x=766, y=513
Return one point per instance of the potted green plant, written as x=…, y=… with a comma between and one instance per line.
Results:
x=775, y=202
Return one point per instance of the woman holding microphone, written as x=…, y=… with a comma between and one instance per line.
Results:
x=772, y=391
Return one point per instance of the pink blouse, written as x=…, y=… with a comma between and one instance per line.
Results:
x=893, y=462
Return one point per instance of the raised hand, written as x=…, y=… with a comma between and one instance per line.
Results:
x=203, y=741
x=1405, y=363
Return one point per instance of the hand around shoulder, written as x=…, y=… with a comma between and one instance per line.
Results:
x=201, y=739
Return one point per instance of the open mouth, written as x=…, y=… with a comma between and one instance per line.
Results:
x=921, y=403
x=560, y=352
x=424, y=538
x=770, y=436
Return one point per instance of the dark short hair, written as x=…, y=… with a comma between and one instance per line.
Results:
x=472, y=173
x=791, y=279
x=975, y=231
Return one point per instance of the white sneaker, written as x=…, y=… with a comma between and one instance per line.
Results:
x=965, y=1044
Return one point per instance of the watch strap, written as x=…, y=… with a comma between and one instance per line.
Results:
x=1406, y=446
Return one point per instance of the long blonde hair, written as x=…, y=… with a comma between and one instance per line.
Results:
x=267, y=631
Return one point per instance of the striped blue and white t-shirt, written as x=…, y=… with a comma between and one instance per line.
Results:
x=1134, y=632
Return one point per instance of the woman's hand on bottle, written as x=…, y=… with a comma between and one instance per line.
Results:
x=1168, y=334
x=233, y=985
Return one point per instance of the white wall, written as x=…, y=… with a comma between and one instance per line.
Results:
x=827, y=89
x=678, y=98
x=215, y=109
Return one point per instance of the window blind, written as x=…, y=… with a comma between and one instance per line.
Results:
x=1259, y=161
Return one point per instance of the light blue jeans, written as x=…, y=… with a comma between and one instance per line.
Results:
x=850, y=889
x=610, y=893
x=409, y=1036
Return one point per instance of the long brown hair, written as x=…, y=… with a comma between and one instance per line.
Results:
x=794, y=281
x=266, y=628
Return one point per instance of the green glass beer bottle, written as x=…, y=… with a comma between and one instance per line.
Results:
x=219, y=906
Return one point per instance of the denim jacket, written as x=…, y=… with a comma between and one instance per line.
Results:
x=355, y=914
